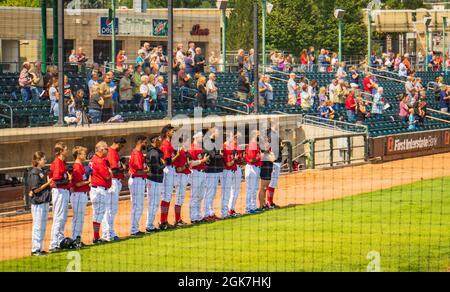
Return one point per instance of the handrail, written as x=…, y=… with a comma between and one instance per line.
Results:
x=221, y=106
x=438, y=119
x=11, y=117
x=285, y=74
x=238, y=102
x=335, y=123
x=438, y=112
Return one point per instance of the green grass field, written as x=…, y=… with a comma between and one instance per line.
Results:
x=409, y=226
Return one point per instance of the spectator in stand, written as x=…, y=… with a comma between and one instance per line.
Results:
x=251, y=58
x=162, y=93
x=243, y=86
x=241, y=59
x=96, y=103
x=191, y=48
x=418, y=85
x=389, y=63
x=248, y=68
x=136, y=83
x=412, y=120
x=422, y=111
x=52, y=72
x=145, y=94
x=444, y=101
x=437, y=87
x=313, y=89
x=340, y=95
x=404, y=109
x=200, y=61
x=292, y=89
x=421, y=60
x=403, y=69
x=25, y=82
x=332, y=90
x=106, y=95
x=140, y=60
x=341, y=73
x=262, y=89
x=322, y=94
x=180, y=54
x=81, y=59
x=326, y=110
x=189, y=64
x=350, y=106
x=152, y=92
x=409, y=85
x=312, y=59
x=269, y=92
x=378, y=104
x=73, y=57
x=361, y=111
x=323, y=65
x=126, y=90
x=37, y=80
x=120, y=60
x=213, y=62
x=290, y=63
x=212, y=91
x=202, y=92
x=281, y=63
x=68, y=95
x=354, y=80
x=334, y=63
x=304, y=60
x=368, y=84
x=54, y=97
x=305, y=98
x=184, y=81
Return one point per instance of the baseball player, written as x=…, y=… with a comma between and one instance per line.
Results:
x=232, y=175
x=118, y=168
x=79, y=197
x=101, y=181
x=60, y=195
x=169, y=174
x=40, y=197
x=275, y=138
x=213, y=174
x=198, y=179
x=138, y=173
x=155, y=181
x=252, y=172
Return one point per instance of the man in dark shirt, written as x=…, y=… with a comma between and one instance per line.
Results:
x=184, y=81
x=213, y=172
x=199, y=60
x=155, y=186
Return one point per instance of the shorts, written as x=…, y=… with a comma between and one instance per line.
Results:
x=266, y=170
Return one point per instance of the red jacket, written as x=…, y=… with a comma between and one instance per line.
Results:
x=137, y=163
x=253, y=152
x=228, y=155
x=101, y=176
x=196, y=153
x=180, y=162
x=114, y=163
x=58, y=172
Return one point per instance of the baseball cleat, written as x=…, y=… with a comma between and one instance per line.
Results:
x=180, y=224
x=195, y=222
x=38, y=254
x=99, y=241
x=165, y=226
x=274, y=206
x=137, y=234
x=115, y=238
x=266, y=208
x=151, y=230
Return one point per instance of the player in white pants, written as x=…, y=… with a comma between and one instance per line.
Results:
x=101, y=180
x=252, y=173
x=79, y=196
x=138, y=173
x=112, y=202
x=38, y=185
x=155, y=186
x=198, y=179
x=60, y=195
x=232, y=176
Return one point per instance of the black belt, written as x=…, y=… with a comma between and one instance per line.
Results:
x=200, y=170
x=94, y=187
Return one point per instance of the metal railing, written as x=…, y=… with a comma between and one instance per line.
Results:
x=11, y=115
x=221, y=106
x=337, y=125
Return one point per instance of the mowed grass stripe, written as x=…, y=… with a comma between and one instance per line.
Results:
x=409, y=226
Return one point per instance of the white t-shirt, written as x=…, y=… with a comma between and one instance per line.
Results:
x=291, y=86
x=180, y=57
x=211, y=86
x=52, y=93
x=145, y=90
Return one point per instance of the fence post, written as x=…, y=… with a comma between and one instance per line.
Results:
x=290, y=155
x=312, y=144
x=349, y=151
x=366, y=148
x=331, y=152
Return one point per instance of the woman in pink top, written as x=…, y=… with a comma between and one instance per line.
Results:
x=404, y=108
x=397, y=62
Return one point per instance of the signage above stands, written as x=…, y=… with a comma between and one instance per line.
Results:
x=197, y=31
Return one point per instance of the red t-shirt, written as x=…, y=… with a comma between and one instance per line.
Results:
x=180, y=162
x=196, y=153
x=79, y=175
x=350, y=103
x=114, y=162
x=367, y=84
x=167, y=149
x=137, y=163
x=253, y=152
x=58, y=171
x=228, y=155
x=101, y=177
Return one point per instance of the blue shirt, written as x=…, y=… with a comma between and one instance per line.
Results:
x=442, y=102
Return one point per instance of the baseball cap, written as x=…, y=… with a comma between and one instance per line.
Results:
x=120, y=140
x=198, y=135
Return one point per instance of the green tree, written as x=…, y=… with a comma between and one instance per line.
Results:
x=240, y=25
x=409, y=4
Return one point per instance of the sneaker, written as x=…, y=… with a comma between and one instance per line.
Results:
x=266, y=208
x=55, y=250
x=99, y=241
x=151, y=231
x=78, y=243
x=115, y=238
x=273, y=206
x=180, y=224
x=165, y=226
x=231, y=213
x=38, y=254
x=137, y=234
x=195, y=222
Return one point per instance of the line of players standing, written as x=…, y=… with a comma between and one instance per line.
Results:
x=158, y=174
